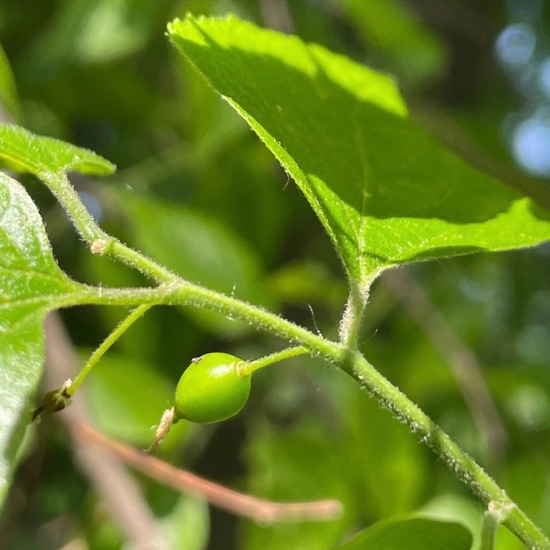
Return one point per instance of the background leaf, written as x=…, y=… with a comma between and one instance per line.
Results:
x=412, y=534
x=285, y=465
x=195, y=246
x=187, y=525
x=8, y=89
x=91, y=32
x=127, y=399
x=31, y=283
x=407, y=44
x=387, y=194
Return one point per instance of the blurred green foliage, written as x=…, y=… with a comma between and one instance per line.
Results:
x=101, y=74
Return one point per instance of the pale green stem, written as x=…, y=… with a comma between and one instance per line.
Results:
x=188, y=294
x=105, y=345
x=458, y=461
x=69, y=199
x=180, y=292
x=246, y=368
x=101, y=243
x=495, y=515
x=352, y=317
x=352, y=362
x=488, y=532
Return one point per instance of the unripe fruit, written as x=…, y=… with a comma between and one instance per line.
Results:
x=210, y=390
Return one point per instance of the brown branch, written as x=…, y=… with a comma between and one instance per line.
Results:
x=461, y=360
x=262, y=511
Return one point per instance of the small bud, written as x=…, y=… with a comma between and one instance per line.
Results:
x=53, y=401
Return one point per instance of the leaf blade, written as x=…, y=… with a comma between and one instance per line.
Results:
x=31, y=283
x=385, y=192
x=44, y=156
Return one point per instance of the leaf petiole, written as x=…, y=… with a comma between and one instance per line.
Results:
x=246, y=368
x=496, y=513
x=59, y=399
x=105, y=345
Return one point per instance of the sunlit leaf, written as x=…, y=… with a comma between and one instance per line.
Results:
x=46, y=157
x=384, y=190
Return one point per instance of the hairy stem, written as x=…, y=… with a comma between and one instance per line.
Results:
x=352, y=317
x=464, y=466
x=488, y=532
x=496, y=513
x=353, y=362
x=177, y=291
x=246, y=368
x=69, y=199
x=105, y=345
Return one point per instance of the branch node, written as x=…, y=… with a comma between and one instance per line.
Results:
x=99, y=246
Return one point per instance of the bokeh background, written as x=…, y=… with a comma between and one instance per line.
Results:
x=196, y=190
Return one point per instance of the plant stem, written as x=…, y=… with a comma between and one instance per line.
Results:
x=177, y=291
x=488, y=532
x=262, y=511
x=100, y=241
x=458, y=461
x=352, y=317
x=496, y=513
x=182, y=293
x=352, y=362
x=105, y=345
x=246, y=368
x=69, y=199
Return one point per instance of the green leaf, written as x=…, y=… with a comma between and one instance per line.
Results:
x=370, y=434
x=31, y=283
x=47, y=157
x=188, y=525
x=8, y=90
x=412, y=533
x=455, y=508
x=96, y=31
x=384, y=190
x=399, y=35
x=285, y=466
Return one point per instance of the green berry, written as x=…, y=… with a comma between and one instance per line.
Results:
x=210, y=390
